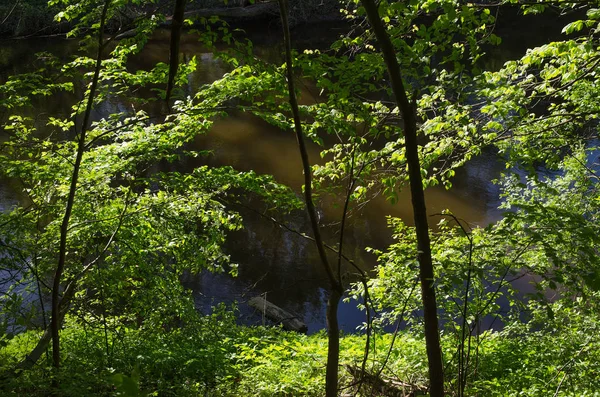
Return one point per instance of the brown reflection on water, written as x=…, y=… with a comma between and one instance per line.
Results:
x=279, y=263
x=272, y=260
x=286, y=266
x=249, y=143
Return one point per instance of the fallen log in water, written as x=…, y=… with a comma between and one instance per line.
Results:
x=289, y=321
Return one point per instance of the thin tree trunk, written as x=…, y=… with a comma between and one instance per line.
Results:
x=432, y=337
x=42, y=344
x=31, y=359
x=62, y=253
x=176, y=26
x=70, y=289
x=10, y=12
x=333, y=343
x=336, y=290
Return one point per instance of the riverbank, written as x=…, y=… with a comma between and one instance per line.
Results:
x=34, y=18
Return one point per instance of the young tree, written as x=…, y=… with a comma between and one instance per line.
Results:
x=117, y=228
x=426, y=272
x=536, y=113
x=64, y=228
x=345, y=80
x=336, y=290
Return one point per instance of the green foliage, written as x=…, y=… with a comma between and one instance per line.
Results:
x=213, y=356
x=544, y=356
x=108, y=356
x=541, y=106
x=559, y=215
x=549, y=237
x=208, y=355
x=437, y=40
x=139, y=223
x=133, y=230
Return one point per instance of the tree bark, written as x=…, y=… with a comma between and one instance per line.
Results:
x=426, y=274
x=176, y=26
x=62, y=253
x=336, y=290
x=333, y=343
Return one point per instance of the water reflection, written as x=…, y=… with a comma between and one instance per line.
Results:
x=272, y=261
x=285, y=266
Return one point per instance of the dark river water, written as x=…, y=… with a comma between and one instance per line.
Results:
x=272, y=261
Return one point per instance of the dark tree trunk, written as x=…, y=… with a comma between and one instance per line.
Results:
x=176, y=26
x=333, y=343
x=62, y=252
x=336, y=289
x=432, y=337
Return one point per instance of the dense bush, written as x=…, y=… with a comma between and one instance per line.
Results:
x=556, y=353
x=104, y=358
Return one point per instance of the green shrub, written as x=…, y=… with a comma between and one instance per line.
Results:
x=215, y=357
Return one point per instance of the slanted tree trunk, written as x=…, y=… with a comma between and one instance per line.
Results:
x=426, y=275
x=336, y=290
x=176, y=26
x=10, y=12
x=56, y=321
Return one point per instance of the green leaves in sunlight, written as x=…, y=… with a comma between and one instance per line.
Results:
x=147, y=209
x=518, y=298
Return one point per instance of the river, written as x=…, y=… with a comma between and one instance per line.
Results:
x=272, y=261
